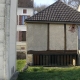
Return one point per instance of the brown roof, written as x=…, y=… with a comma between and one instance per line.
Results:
x=57, y=12
x=25, y=3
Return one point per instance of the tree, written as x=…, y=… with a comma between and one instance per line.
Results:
x=73, y=3
x=39, y=8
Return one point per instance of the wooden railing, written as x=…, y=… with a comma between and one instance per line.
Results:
x=55, y=59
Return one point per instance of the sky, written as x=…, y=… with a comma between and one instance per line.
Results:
x=41, y=2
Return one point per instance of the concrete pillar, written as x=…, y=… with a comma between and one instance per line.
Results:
x=7, y=38
x=78, y=45
x=30, y=58
x=2, y=39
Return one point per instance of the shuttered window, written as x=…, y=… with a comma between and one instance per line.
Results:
x=21, y=19
x=21, y=35
x=24, y=11
x=17, y=19
x=17, y=37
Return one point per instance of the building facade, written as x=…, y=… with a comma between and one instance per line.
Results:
x=53, y=36
x=7, y=38
x=24, y=10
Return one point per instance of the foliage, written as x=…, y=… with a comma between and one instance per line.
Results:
x=73, y=3
x=39, y=8
x=50, y=73
x=20, y=64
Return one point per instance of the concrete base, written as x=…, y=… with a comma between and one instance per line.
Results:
x=15, y=76
x=78, y=59
x=29, y=58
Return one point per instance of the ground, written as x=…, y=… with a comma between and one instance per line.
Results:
x=48, y=73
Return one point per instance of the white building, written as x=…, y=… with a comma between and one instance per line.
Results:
x=24, y=10
x=7, y=38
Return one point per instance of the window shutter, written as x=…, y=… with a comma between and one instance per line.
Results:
x=20, y=19
x=24, y=36
x=17, y=19
x=23, y=19
x=17, y=36
x=24, y=11
x=20, y=35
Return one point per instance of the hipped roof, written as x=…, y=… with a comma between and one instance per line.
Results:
x=57, y=12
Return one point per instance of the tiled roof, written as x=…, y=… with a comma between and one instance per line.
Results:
x=57, y=12
x=25, y=3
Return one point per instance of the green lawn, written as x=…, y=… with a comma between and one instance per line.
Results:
x=50, y=73
x=20, y=64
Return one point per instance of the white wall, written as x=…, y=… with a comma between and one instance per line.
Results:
x=21, y=28
x=71, y=38
x=20, y=12
x=56, y=37
x=37, y=37
x=2, y=48
x=13, y=23
x=79, y=8
x=7, y=38
x=29, y=11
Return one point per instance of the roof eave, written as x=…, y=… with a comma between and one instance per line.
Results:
x=58, y=22
x=24, y=7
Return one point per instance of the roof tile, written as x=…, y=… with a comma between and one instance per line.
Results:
x=25, y=3
x=57, y=12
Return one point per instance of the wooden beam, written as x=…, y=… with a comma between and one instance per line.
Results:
x=48, y=37
x=64, y=36
x=60, y=52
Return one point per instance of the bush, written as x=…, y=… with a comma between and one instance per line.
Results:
x=21, y=55
x=20, y=64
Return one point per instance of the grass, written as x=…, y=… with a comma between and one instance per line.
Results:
x=20, y=64
x=49, y=73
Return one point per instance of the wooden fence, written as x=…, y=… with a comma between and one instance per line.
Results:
x=55, y=59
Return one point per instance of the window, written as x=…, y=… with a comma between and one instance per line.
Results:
x=21, y=35
x=24, y=11
x=21, y=18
